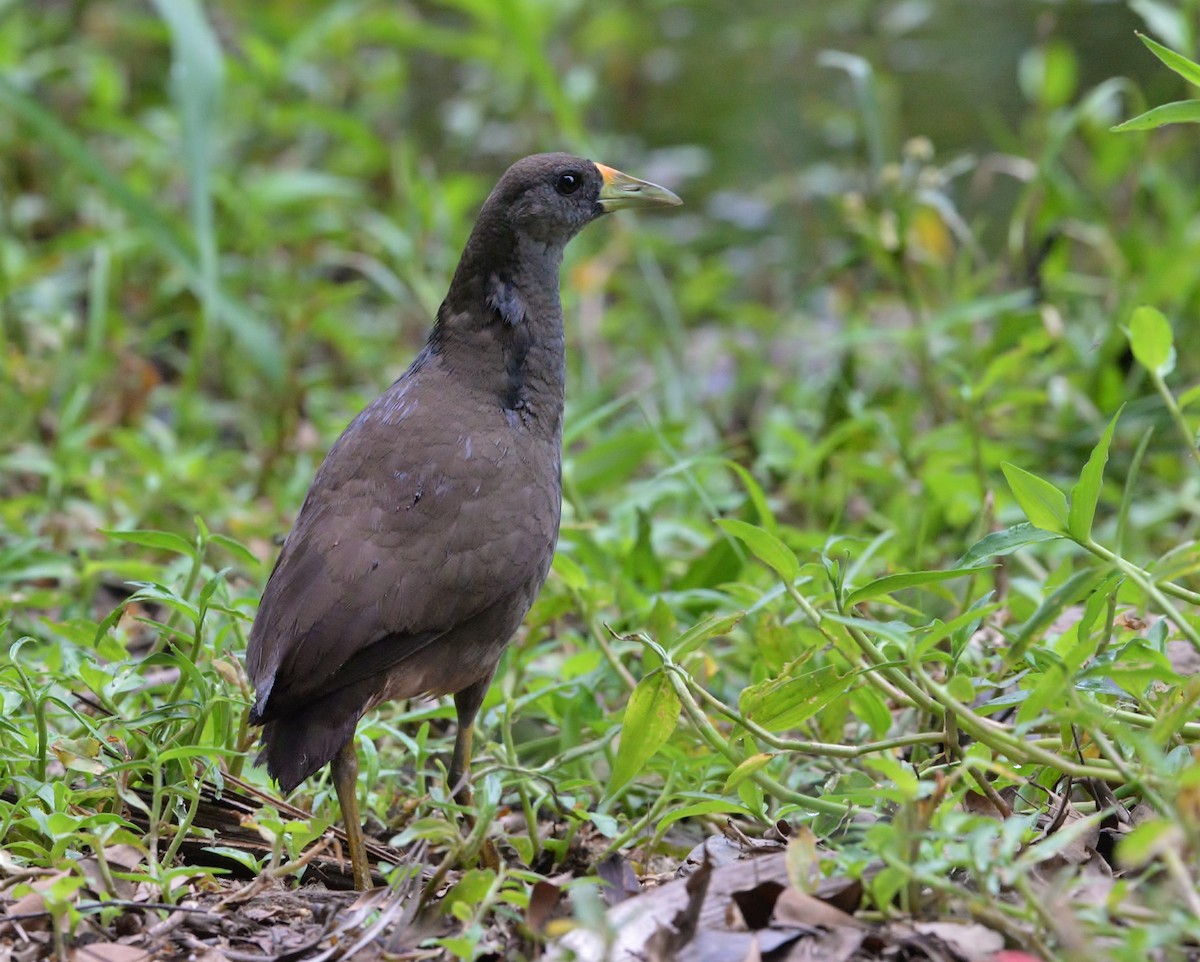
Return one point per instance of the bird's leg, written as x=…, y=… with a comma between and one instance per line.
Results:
x=459, y=777
x=345, y=780
x=467, y=703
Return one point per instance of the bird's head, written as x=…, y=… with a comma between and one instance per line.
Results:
x=550, y=197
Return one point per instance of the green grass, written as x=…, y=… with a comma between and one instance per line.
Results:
x=796, y=578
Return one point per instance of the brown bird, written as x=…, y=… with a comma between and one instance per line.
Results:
x=430, y=526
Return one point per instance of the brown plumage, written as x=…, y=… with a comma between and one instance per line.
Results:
x=430, y=526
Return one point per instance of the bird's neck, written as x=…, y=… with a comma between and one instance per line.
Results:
x=500, y=330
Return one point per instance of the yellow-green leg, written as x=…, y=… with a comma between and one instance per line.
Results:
x=345, y=781
x=466, y=703
x=460, y=763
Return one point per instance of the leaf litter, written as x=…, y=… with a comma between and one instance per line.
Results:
x=735, y=898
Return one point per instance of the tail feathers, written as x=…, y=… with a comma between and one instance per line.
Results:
x=297, y=745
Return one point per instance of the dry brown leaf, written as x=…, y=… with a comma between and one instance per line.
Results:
x=972, y=942
x=756, y=905
x=842, y=893
x=31, y=904
x=1130, y=621
x=717, y=849
x=542, y=901
x=620, y=881
x=827, y=945
x=109, y=952
x=667, y=940
x=1081, y=849
x=753, y=953
x=794, y=907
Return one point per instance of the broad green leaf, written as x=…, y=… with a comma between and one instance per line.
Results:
x=1189, y=70
x=472, y=887
x=711, y=807
x=899, y=773
x=651, y=716
x=908, y=579
x=1176, y=112
x=896, y=632
x=747, y=768
x=1000, y=543
x=164, y=540
x=961, y=688
x=765, y=546
x=1042, y=502
x=781, y=703
x=1151, y=340
x=1086, y=492
x=1135, y=667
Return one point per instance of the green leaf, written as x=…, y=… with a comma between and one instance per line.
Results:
x=785, y=702
x=908, y=579
x=1151, y=340
x=1147, y=841
x=765, y=546
x=237, y=549
x=757, y=498
x=163, y=540
x=1189, y=70
x=899, y=773
x=1056, y=843
x=722, y=561
x=1042, y=502
x=1072, y=591
x=1135, y=667
x=471, y=888
x=568, y=569
x=708, y=627
x=747, y=768
x=961, y=688
x=606, y=825
x=1176, y=112
x=1000, y=543
x=1189, y=397
x=651, y=716
x=1086, y=492
x=714, y=806
x=870, y=708
x=642, y=565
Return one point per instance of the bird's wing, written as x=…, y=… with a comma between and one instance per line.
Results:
x=400, y=546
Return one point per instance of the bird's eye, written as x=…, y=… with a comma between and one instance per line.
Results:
x=567, y=183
